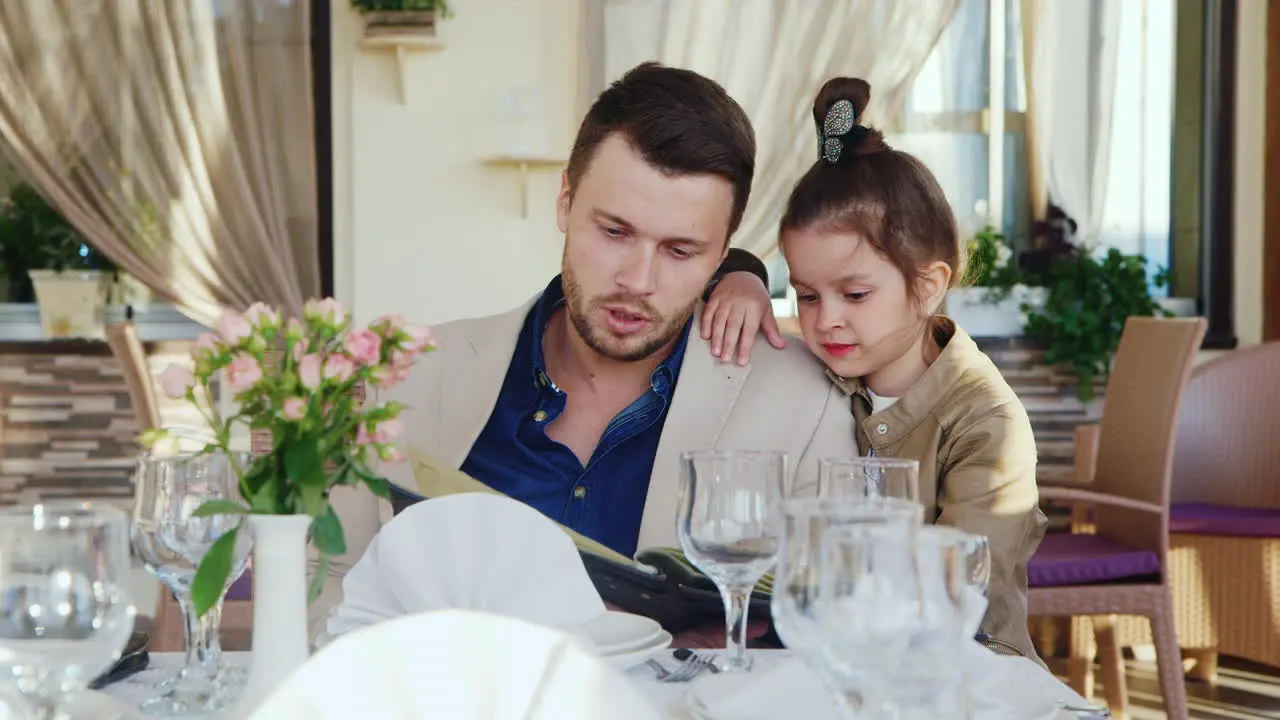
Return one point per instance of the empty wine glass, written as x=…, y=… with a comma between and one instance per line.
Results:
x=797, y=582
x=975, y=553
x=869, y=478
x=728, y=528
x=890, y=610
x=65, y=612
x=171, y=543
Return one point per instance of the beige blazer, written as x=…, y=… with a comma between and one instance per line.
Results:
x=782, y=400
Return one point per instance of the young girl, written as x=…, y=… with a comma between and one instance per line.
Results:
x=872, y=247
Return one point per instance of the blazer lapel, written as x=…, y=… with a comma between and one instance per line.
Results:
x=469, y=383
x=705, y=395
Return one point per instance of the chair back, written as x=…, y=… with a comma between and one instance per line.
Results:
x=126, y=346
x=1227, y=452
x=1139, y=420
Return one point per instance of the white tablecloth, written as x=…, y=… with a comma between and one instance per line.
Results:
x=668, y=698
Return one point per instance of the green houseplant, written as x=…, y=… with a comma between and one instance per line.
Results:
x=401, y=17
x=991, y=264
x=35, y=236
x=1082, y=318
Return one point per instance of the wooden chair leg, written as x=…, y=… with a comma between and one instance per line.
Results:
x=1203, y=664
x=1169, y=657
x=1080, y=654
x=169, y=633
x=1112, y=660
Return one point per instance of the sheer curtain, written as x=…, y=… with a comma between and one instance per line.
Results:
x=176, y=136
x=772, y=56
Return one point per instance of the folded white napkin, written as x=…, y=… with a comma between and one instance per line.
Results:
x=460, y=665
x=470, y=551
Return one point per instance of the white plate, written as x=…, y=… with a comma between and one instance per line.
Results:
x=614, y=632
x=632, y=658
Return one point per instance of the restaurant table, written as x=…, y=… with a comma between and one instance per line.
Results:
x=668, y=698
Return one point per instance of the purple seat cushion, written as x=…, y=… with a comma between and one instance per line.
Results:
x=1205, y=519
x=242, y=588
x=1069, y=559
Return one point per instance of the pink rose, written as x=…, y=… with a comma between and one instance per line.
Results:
x=339, y=367
x=294, y=408
x=233, y=328
x=389, y=454
x=419, y=338
x=299, y=350
x=309, y=371
x=176, y=380
x=243, y=373
x=261, y=315
x=363, y=437
x=401, y=359
x=207, y=342
x=388, y=430
x=385, y=377
x=364, y=346
x=328, y=311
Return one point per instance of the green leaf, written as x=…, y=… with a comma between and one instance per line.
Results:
x=304, y=463
x=313, y=500
x=379, y=486
x=317, y=581
x=265, y=499
x=326, y=533
x=220, y=507
x=363, y=471
x=211, y=576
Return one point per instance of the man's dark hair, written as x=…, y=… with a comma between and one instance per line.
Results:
x=678, y=121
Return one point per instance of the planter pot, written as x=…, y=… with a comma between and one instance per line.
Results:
x=279, y=606
x=72, y=303
x=1003, y=318
x=399, y=23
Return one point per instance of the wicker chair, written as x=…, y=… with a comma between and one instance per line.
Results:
x=1121, y=569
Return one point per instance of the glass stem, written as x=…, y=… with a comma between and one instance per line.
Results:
x=736, y=600
x=203, y=647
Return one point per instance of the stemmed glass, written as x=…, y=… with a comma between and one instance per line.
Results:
x=171, y=543
x=891, y=612
x=728, y=528
x=65, y=612
x=868, y=478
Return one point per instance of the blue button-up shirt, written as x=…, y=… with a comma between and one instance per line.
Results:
x=603, y=500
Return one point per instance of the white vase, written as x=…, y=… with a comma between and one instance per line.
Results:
x=279, y=606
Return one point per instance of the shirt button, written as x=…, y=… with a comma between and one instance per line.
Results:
x=579, y=492
x=540, y=416
x=882, y=429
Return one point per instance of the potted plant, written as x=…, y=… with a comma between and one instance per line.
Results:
x=47, y=259
x=991, y=303
x=304, y=394
x=1089, y=298
x=401, y=17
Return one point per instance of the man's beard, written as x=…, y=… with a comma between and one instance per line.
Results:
x=602, y=341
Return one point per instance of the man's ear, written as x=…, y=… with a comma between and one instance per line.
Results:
x=933, y=285
x=563, y=200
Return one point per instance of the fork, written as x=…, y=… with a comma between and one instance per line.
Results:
x=687, y=671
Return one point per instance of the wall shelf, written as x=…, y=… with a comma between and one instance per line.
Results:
x=524, y=164
x=399, y=47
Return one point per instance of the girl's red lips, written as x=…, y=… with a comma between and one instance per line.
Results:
x=838, y=349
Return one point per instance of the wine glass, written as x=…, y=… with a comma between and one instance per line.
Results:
x=891, y=614
x=171, y=543
x=797, y=583
x=65, y=612
x=975, y=554
x=869, y=478
x=728, y=528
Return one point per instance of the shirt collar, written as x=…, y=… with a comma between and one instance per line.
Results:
x=663, y=377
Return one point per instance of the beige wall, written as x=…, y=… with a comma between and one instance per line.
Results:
x=422, y=227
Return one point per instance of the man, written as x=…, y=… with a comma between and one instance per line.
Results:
x=580, y=402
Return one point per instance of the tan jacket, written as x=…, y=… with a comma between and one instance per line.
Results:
x=781, y=400
x=972, y=437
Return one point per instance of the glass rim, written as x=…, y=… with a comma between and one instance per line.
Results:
x=726, y=454
x=149, y=455
x=876, y=460
x=80, y=513
x=854, y=508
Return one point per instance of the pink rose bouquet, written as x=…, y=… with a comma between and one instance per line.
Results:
x=298, y=379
